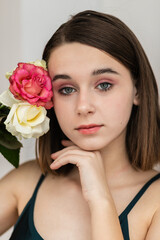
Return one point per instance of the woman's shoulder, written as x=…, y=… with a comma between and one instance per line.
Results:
x=151, y=179
x=153, y=203
x=155, y=187
x=151, y=188
x=16, y=188
x=23, y=177
x=29, y=168
x=154, y=180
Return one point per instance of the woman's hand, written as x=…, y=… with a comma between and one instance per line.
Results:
x=104, y=219
x=91, y=170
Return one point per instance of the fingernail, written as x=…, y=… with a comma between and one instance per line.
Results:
x=53, y=155
x=53, y=165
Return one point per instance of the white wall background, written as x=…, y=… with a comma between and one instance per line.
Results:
x=26, y=25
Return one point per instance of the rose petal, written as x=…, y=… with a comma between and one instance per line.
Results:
x=14, y=88
x=41, y=129
x=27, y=66
x=11, y=113
x=23, y=129
x=39, y=71
x=35, y=115
x=22, y=113
x=7, y=99
x=26, y=95
x=33, y=101
x=8, y=74
x=20, y=75
x=48, y=83
x=32, y=88
x=44, y=94
x=49, y=105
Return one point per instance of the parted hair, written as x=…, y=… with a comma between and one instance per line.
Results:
x=108, y=33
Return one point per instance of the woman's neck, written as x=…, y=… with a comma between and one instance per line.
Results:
x=116, y=163
x=115, y=159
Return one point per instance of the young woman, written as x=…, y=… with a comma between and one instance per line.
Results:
x=97, y=159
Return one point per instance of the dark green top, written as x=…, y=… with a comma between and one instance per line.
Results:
x=25, y=228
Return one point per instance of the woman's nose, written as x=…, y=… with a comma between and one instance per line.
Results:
x=85, y=104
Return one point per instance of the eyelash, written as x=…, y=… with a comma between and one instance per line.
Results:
x=102, y=89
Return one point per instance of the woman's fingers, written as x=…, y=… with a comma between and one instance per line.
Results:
x=56, y=154
x=65, y=159
x=70, y=148
x=70, y=151
x=68, y=144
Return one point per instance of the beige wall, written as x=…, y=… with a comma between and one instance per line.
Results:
x=10, y=37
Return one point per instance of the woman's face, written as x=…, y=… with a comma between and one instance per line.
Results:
x=93, y=95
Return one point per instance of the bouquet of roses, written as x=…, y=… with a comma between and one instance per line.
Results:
x=23, y=107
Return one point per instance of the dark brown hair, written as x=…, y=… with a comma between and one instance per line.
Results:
x=111, y=35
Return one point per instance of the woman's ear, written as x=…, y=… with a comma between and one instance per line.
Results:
x=136, y=97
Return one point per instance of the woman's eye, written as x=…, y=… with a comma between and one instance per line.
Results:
x=66, y=90
x=104, y=86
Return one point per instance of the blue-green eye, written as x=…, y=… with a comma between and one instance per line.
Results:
x=66, y=90
x=104, y=86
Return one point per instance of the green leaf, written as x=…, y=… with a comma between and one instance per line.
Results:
x=4, y=110
x=7, y=139
x=12, y=155
x=9, y=145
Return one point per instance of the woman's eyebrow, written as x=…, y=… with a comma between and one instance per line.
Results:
x=104, y=70
x=94, y=73
x=61, y=76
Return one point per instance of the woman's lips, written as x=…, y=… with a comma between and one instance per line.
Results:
x=89, y=129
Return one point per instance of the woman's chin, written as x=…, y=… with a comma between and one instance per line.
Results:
x=91, y=144
x=90, y=147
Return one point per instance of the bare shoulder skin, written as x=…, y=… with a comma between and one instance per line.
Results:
x=59, y=196
x=18, y=183
x=68, y=212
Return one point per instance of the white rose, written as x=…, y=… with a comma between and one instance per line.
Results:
x=26, y=120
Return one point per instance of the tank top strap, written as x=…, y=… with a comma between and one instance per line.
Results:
x=37, y=186
x=138, y=196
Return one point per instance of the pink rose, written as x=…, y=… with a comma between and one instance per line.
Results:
x=33, y=84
